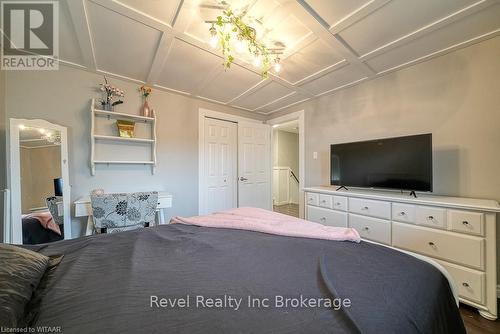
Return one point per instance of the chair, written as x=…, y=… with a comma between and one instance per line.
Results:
x=122, y=212
x=52, y=205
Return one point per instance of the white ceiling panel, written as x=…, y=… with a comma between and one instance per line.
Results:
x=267, y=94
x=475, y=25
x=396, y=19
x=191, y=63
x=309, y=60
x=122, y=46
x=289, y=100
x=333, y=11
x=230, y=83
x=162, y=10
x=335, y=79
x=69, y=49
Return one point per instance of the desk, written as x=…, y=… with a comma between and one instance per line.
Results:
x=84, y=209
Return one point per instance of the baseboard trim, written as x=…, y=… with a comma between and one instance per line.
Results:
x=498, y=291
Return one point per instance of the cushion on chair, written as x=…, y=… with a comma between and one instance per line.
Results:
x=52, y=205
x=20, y=274
x=126, y=211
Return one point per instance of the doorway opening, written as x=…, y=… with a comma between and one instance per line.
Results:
x=286, y=183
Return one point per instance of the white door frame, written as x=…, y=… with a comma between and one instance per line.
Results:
x=298, y=116
x=203, y=113
x=14, y=176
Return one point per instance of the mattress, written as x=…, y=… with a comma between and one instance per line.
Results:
x=188, y=279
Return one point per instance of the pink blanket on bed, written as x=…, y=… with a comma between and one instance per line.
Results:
x=260, y=220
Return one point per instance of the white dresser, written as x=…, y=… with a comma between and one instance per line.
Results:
x=459, y=233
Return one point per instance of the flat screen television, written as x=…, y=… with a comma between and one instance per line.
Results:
x=403, y=163
x=58, y=187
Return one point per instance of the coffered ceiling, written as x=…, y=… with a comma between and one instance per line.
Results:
x=330, y=44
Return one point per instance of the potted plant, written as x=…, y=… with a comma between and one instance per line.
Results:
x=111, y=93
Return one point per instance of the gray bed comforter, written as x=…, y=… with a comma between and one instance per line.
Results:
x=136, y=281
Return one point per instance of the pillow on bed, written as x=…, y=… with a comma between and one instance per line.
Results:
x=20, y=274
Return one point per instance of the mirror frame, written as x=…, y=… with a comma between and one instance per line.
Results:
x=15, y=235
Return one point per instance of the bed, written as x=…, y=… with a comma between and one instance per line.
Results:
x=36, y=229
x=152, y=281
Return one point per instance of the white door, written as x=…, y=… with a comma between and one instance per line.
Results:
x=254, y=165
x=220, y=165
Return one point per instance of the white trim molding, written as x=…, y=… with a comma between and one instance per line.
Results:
x=299, y=116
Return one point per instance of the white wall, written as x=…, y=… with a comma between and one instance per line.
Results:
x=456, y=97
x=63, y=97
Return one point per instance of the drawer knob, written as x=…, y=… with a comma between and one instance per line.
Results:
x=402, y=213
x=323, y=219
x=366, y=228
x=465, y=222
x=338, y=203
x=430, y=218
x=364, y=208
x=465, y=284
x=432, y=244
x=323, y=201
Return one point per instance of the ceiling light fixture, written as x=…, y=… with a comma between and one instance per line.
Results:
x=240, y=45
x=230, y=26
x=277, y=65
x=214, y=39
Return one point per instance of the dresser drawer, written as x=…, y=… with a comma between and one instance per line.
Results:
x=470, y=283
x=461, y=249
x=326, y=201
x=466, y=221
x=372, y=208
x=326, y=216
x=312, y=199
x=430, y=216
x=371, y=228
x=340, y=203
x=403, y=213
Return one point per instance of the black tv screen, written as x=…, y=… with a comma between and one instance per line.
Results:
x=403, y=163
x=58, y=187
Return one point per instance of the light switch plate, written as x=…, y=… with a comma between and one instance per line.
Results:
x=315, y=155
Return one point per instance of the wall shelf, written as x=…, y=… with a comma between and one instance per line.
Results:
x=119, y=162
x=96, y=139
x=113, y=114
x=123, y=139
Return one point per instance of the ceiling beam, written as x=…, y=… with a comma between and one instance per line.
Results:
x=357, y=15
x=166, y=42
x=79, y=16
x=458, y=15
x=321, y=28
x=251, y=90
x=161, y=55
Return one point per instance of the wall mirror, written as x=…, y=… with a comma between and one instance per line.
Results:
x=39, y=182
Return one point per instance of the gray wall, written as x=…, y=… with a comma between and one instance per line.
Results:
x=456, y=97
x=286, y=150
x=63, y=97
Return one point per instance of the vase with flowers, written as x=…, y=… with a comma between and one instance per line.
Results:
x=146, y=110
x=112, y=96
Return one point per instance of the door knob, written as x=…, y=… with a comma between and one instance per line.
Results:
x=243, y=179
